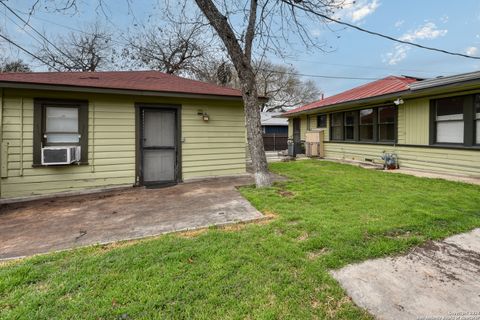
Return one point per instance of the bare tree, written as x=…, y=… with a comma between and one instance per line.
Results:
x=172, y=48
x=14, y=66
x=270, y=22
x=279, y=83
x=246, y=26
x=89, y=50
x=283, y=87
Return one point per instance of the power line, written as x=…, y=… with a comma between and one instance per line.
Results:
x=37, y=32
x=362, y=66
x=309, y=10
x=322, y=76
x=28, y=52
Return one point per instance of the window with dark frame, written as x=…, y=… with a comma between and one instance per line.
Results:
x=366, y=124
x=449, y=120
x=322, y=121
x=477, y=119
x=455, y=121
x=350, y=125
x=386, y=123
x=336, y=126
x=60, y=123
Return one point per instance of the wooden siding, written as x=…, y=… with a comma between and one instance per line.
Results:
x=212, y=148
x=413, y=122
x=457, y=161
x=216, y=147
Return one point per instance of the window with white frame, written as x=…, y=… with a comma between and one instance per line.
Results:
x=61, y=125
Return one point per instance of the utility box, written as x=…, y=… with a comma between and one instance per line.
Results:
x=314, y=146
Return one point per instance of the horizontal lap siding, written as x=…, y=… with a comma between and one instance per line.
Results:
x=111, y=153
x=212, y=148
x=215, y=147
x=435, y=159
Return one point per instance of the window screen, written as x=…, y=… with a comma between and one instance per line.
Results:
x=449, y=120
x=350, y=125
x=337, y=126
x=477, y=119
x=386, y=123
x=61, y=125
x=322, y=121
x=366, y=124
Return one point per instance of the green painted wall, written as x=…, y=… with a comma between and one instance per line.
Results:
x=212, y=148
x=413, y=129
x=413, y=122
x=455, y=161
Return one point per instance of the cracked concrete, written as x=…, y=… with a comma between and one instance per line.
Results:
x=438, y=280
x=47, y=225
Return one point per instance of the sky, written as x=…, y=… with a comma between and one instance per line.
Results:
x=444, y=24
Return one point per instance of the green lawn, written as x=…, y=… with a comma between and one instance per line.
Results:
x=327, y=215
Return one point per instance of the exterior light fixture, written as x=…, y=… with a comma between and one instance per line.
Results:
x=398, y=101
x=204, y=115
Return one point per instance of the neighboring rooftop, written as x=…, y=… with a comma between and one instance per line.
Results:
x=121, y=80
x=388, y=85
x=267, y=119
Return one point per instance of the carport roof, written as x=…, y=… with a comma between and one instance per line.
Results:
x=153, y=81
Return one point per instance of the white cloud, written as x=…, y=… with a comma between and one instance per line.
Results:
x=427, y=31
x=399, y=23
x=444, y=18
x=356, y=11
x=471, y=51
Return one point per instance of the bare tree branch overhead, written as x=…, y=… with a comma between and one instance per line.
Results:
x=249, y=30
x=90, y=50
x=171, y=48
x=270, y=25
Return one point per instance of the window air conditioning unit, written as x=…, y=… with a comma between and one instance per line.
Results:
x=60, y=155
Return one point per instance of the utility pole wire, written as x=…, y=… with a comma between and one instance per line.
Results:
x=28, y=52
x=308, y=10
x=37, y=32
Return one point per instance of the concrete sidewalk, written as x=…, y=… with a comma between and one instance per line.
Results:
x=61, y=223
x=439, y=280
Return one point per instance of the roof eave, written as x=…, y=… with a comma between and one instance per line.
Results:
x=72, y=88
x=353, y=103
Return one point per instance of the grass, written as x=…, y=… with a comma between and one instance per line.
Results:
x=327, y=215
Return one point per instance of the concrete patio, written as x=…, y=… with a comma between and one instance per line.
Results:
x=47, y=225
x=438, y=280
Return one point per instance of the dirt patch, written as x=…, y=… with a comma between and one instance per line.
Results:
x=286, y=194
x=313, y=255
x=304, y=236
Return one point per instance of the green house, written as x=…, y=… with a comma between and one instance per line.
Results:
x=71, y=131
x=431, y=124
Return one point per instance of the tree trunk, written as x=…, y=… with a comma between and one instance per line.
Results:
x=242, y=62
x=254, y=130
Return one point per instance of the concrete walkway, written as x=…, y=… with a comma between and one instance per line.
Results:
x=439, y=280
x=55, y=224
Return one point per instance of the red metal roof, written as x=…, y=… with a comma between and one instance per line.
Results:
x=376, y=88
x=123, y=80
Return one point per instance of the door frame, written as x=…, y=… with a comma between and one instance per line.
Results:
x=139, y=134
x=297, y=135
